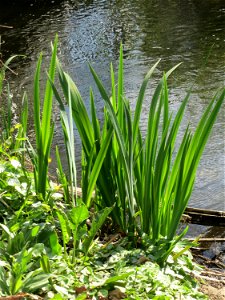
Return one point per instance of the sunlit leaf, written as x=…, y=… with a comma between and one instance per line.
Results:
x=79, y=214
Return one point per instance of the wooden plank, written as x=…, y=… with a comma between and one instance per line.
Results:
x=204, y=217
x=206, y=211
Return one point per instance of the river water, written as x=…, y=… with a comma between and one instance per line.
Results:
x=191, y=32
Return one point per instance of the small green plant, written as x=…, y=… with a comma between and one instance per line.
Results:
x=73, y=225
x=44, y=129
x=3, y=67
x=119, y=270
x=13, y=135
x=19, y=261
x=96, y=158
x=15, y=185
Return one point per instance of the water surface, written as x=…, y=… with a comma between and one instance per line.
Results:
x=191, y=32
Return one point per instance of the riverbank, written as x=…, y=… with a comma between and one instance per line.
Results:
x=212, y=257
x=124, y=243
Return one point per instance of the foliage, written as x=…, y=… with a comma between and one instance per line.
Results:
x=156, y=179
x=19, y=261
x=61, y=248
x=72, y=224
x=13, y=135
x=142, y=175
x=43, y=128
x=133, y=273
x=14, y=185
x=3, y=67
x=114, y=269
x=29, y=266
x=76, y=106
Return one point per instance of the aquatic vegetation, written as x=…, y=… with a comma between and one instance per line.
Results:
x=3, y=67
x=44, y=128
x=13, y=135
x=119, y=239
x=144, y=178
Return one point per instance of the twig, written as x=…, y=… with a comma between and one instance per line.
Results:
x=208, y=261
x=216, y=239
x=213, y=273
x=21, y=296
x=6, y=26
x=203, y=257
x=199, y=248
x=210, y=278
x=220, y=265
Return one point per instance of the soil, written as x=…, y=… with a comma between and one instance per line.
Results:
x=213, y=293
x=212, y=258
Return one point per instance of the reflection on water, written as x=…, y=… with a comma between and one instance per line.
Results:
x=191, y=32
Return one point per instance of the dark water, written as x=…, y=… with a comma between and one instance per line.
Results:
x=191, y=32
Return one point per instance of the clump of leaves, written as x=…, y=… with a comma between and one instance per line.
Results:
x=32, y=261
x=44, y=129
x=134, y=274
x=47, y=248
x=15, y=184
x=149, y=183
x=75, y=230
x=19, y=256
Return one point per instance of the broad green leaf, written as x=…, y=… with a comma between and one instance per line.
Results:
x=16, y=284
x=79, y=214
x=44, y=262
x=37, y=249
x=64, y=224
x=61, y=290
x=114, y=279
x=35, y=230
x=54, y=243
x=96, y=224
x=58, y=297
